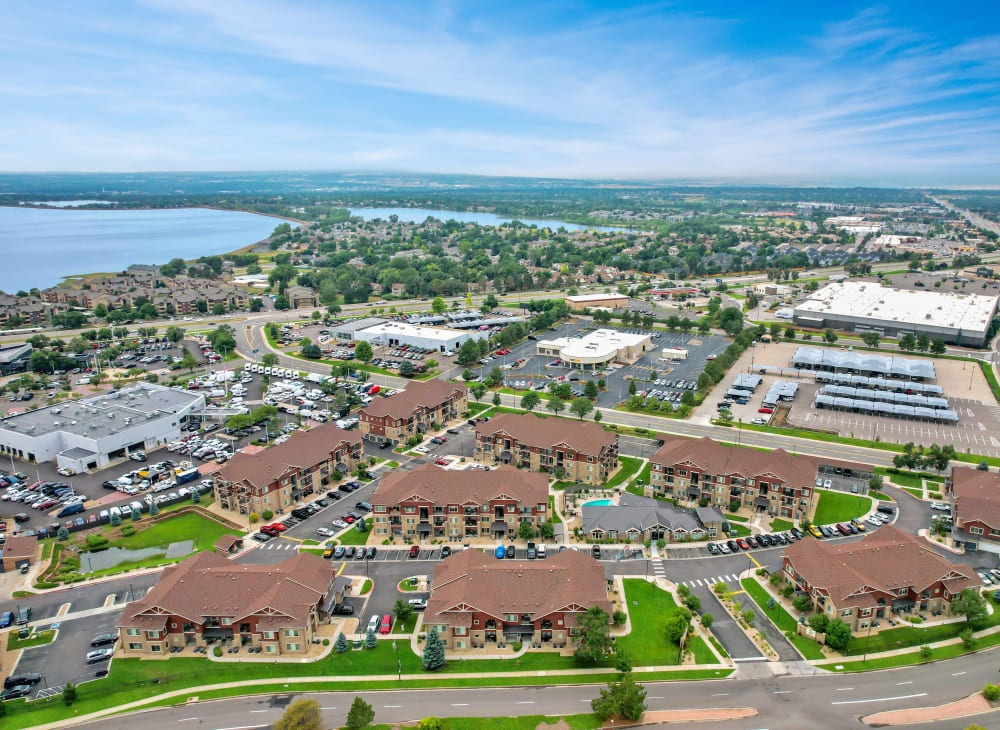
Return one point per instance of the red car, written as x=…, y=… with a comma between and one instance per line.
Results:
x=765, y=409
x=744, y=545
x=348, y=519
x=277, y=526
x=441, y=462
x=386, y=626
x=414, y=551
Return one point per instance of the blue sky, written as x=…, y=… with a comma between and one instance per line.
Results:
x=846, y=92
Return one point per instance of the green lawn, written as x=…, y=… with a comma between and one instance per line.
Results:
x=629, y=466
x=782, y=619
x=42, y=637
x=839, y=507
x=366, y=587
x=875, y=494
x=188, y=526
x=649, y=607
x=351, y=536
x=913, y=657
x=915, y=491
x=702, y=654
x=473, y=408
x=643, y=475
x=554, y=518
x=404, y=585
x=407, y=626
x=780, y=525
x=736, y=530
x=736, y=518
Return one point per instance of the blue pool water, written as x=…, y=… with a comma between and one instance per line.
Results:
x=599, y=502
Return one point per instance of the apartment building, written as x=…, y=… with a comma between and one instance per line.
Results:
x=433, y=503
x=412, y=411
x=478, y=602
x=776, y=482
x=207, y=599
x=580, y=451
x=274, y=478
x=975, y=499
x=889, y=574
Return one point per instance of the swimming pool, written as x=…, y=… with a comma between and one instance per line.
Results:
x=599, y=502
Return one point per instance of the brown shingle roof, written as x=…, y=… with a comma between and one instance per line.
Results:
x=19, y=546
x=526, y=428
x=208, y=584
x=475, y=579
x=303, y=449
x=444, y=486
x=428, y=394
x=887, y=560
x=715, y=458
x=977, y=495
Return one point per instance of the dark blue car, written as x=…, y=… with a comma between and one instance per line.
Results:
x=7, y=619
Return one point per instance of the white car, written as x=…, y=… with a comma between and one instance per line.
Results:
x=940, y=507
x=420, y=450
x=65, y=471
x=324, y=532
x=373, y=623
x=827, y=483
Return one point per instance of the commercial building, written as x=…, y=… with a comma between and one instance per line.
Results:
x=776, y=482
x=92, y=432
x=393, y=334
x=301, y=296
x=15, y=358
x=579, y=302
x=638, y=519
x=577, y=450
x=861, y=306
x=478, y=602
x=888, y=575
x=598, y=348
x=412, y=411
x=432, y=503
x=674, y=292
x=276, y=477
x=17, y=551
x=975, y=499
x=207, y=599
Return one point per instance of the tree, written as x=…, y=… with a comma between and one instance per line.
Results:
x=590, y=389
x=676, y=626
x=991, y=692
x=838, y=634
x=829, y=335
x=968, y=640
x=341, y=646
x=188, y=361
x=115, y=519
x=938, y=457
x=908, y=342
x=594, y=641
x=687, y=398
x=406, y=369
x=802, y=602
x=982, y=466
x=875, y=483
x=556, y=404
x=971, y=604
x=360, y=715
x=525, y=531
x=623, y=662
x=923, y=342
x=598, y=416
x=154, y=509
x=438, y=306
x=63, y=534
x=468, y=353
x=926, y=652
x=871, y=339
x=363, y=352
x=269, y=360
x=546, y=530
x=731, y=320
x=937, y=347
x=370, y=639
x=819, y=622
x=496, y=398
x=69, y=694
x=625, y=699
x=433, y=659
x=530, y=401
x=581, y=407
x=266, y=515
x=402, y=610
x=478, y=389
x=195, y=496
x=706, y=620
x=301, y=715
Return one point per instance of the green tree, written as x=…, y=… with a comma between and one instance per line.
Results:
x=706, y=620
x=731, y=320
x=802, y=602
x=360, y=715
x=624, y=698
x=871, y=339
x=590, y=389
x=478, y=390
x=556, y=404
x=154, y=509
x=266, y=515
x=675, y=626
x=623, y=662
x=525, y=531
x=838, y=634
x=438, y=306
x=341, y=646
x=433, y=658
x=546, y=530
x=406, y=369
x=530, y=400
x=115, y=519
x=69, y=694
x=937, y=347
x=598, y=416
x=363, y=352
x=908, y=342
x=468, y=353
x=830, y=336
x=300, y=715
x=402, y=610
x=188, y=361
x=971, y=604
x=496, y=398
x=923, y=342
x=63, y=534
x=269, y=360
x=991, y=692
x=594, y=641
x=581, y=407
x=371, y=641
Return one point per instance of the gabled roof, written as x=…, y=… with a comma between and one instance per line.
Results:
x=715, y=458
x=473, y=580
x=885, y=561
x=977, y=495
x=637, y=513
x=302, y=449
x=427, y=394
x=444, y=486
x=526, y=428
x=208, y=584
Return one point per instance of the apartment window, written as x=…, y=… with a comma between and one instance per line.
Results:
x=459, y=631
x=452, y=508
x=976, y=530
x=291, y=632
x=750, y=483
x=155, y=647
x=135, y=646
x=720, y=479
x=475, y=622
x=226, y=620
x=270, y=648
x=132, y=632
x=409, y=510
x=292, y=647
x=847, y=612
x=590, y=458
x=173, y=625
x=269, y=635
x=682, y=472
x=152, y=634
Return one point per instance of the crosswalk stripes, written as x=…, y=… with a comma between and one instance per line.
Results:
x=709, y=582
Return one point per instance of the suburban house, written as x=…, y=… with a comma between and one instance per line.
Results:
x=886, y=575
x=301, y=296
x=207, y=599
x=775, y=482
x=412, y=411
x=638, y=519
x=276, y=477
x=478, y=602
x=429, y=502
x=975, y=499
x=582, y=451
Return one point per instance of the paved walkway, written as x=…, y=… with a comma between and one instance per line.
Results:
x=972, y=705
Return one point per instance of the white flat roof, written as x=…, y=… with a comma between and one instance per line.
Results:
x=580, y=298
x=405, y=329
x=604, y=343
x=869, y=300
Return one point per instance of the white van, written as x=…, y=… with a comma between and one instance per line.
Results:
x=268, y=371
x=540, y=551
x=216, y=393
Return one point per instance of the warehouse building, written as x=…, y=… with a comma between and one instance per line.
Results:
x=92, y=432
x=393, y=334
x=597, y=348
x=863, y=306
x=579, y=302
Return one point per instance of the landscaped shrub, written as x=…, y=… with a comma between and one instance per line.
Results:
x=128, y=530
x=95, y=542
x=217, y=651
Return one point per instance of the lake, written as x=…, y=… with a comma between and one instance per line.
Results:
x=40, y=246
x=418, y=215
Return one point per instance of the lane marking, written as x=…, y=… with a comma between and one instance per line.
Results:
x=782, y=691
x=900, y=683
x=528, y=702
x=721, y=694
x=328, y=708
x=258, y=710
x=241, y=727
x=958, y=674
x=879, y=699
x=391, y=706
x=188, y=719
x=750, y=555
x=466, y=704
x=845, y=689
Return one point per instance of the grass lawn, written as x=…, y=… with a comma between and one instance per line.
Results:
x=702, y=654
x=779, y=525
x=736, y=518
x=351, y=536
x=42, y=637
x=911, y=658
x=188, y=526
x=366, y=587
x=839, y=507
x=648, y=607
x=554, y=518
x=915, y=491
x=905, y=636
x=718, y=647
x=875, y=494
x=629, y=466
x=782, y=619
x=473, y=408
x=407, y=626
x=738, y=530
x=404, y=585
x=643, y=475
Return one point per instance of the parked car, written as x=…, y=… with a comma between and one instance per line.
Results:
x=343, y=609
x=28, y=678
x=418, y=604
x=386, y=626
x=104, y=639
x=414, y=551
x=99, y=655
x=445, y=551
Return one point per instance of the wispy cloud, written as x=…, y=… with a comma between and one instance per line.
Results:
x=651, y=90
